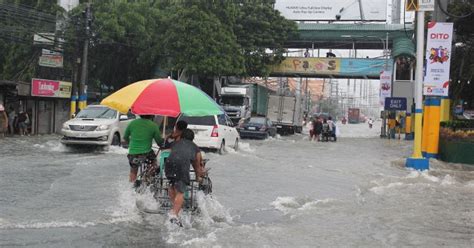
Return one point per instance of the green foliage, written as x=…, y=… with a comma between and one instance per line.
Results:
x=197, y=41
x=458, y=124
x=130, y=40
x=462, y=66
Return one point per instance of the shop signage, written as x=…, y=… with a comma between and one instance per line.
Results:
x=55, y=61
x=50, y=88
x=438, y=59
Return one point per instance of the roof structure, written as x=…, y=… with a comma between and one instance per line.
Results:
x=356, y=35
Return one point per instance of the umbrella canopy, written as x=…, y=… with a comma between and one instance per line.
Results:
x=165, y=97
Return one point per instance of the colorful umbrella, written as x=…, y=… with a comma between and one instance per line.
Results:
x=165, y=97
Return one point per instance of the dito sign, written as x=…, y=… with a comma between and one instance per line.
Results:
x=396, y=103
x=385, y=86
x=438, y=59
x=50, y=88
x=328, y=10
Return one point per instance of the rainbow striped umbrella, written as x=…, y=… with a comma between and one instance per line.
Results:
x=164, y=97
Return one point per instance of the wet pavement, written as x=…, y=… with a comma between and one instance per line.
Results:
x=281, y=192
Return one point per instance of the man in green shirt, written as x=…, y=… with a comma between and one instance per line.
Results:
x=140, y=134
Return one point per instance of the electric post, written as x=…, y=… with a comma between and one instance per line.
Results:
x=83, y=84
x=417, y=161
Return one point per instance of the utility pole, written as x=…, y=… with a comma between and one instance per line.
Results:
x=85, y=51
x=417, y=161
x=361, y=9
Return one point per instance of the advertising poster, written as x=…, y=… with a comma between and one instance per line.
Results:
x=438, y=59
x=385, y=86
x=50, y=88
x=322, y=66
x=328, y=10
x=364, y=67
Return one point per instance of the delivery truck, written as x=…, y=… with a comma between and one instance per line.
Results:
x=353, y=115
x=241, y=101
x=285, y=113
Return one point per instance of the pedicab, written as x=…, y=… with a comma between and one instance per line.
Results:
x=168, y=98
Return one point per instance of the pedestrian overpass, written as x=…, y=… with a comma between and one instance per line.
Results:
x=316, y=36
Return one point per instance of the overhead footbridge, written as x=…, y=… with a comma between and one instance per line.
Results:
x=396, y=38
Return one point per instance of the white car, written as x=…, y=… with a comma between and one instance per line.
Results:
x=215, y=132
x=96, y=125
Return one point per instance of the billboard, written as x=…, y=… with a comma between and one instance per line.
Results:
x=364, y=67
x=317, y=10
x=298, y=65
x=50, y=88
x=438, y=59
x=333, y=66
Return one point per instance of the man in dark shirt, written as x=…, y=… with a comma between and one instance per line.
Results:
x=183, y=153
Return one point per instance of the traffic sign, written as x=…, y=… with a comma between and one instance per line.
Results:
x=426, y=5
x=396, y=103
x=412, y=5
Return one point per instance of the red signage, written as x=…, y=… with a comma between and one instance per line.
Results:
x=50, y=88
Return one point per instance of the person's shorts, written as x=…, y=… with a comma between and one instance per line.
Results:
x=179, y=185
x=22, y=125
x=135, y=159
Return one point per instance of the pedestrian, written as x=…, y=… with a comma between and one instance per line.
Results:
x=318, y=129
x=11, y=120
x=306, y=54
x=371, y=122
x=332, y=128
x=23, y=122
x=183, y=154
x=3, y=121
x=392, y=124
x=310, y=126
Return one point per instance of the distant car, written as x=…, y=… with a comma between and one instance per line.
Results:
x=257, y=127
x=96, y=125
x=215, y=132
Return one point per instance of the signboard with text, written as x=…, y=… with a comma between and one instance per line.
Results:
x=50, y=88
x=438, y=59
x=297, y=65
x=395, y=103
x=426, y=5
x=332, y=66
x=328, y=10
x=385, y=86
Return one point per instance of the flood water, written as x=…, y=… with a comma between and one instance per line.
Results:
x=281, y=192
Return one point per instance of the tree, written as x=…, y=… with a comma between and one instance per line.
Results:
x=196, y=41
x=261, y=32
x=462, y=66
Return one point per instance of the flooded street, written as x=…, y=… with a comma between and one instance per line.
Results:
x=281, y=192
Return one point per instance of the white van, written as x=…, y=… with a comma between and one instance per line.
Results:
x=96, y=125
x=215, y=132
